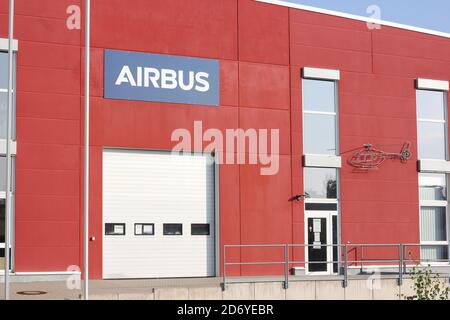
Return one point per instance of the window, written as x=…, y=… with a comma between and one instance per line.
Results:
x=3, y=173
x=3, y=117
x=433, y=217
x=321, y=163
x=321, y=183
x=200, y=229
x=3, y=208
x=172, y=229
x=144, y=229
x=114, y=229
x=3, y=176
x=320, y=117
x=432, y=124
x=3, y=122
x=321, y=202
x=432, y=144
x=4, y=96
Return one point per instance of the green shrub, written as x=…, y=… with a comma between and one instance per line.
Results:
x=427, y=286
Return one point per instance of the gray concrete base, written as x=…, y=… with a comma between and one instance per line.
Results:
x=209, y=293
x=359, y=290
x=41, y=277
x=329, y=290
x=363, y=288
x=304, y=290
x=385, y=290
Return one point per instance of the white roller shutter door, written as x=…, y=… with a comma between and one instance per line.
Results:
x=149, y=187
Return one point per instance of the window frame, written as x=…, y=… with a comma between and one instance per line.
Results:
x=435, y=204
x=166, y=233
x=14, y=109
x=142, y=229
x=335, y=114
x=4, y=47
x=123, y=224
x=322, y=200
x=13, y=177
x=200, y=234
x=323, y=213
x=333, y=76
x=425, y=120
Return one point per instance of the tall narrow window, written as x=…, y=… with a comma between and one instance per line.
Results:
x=321, y=169
x=433, y=217
x=319, y=117
x=3, y=119
x=432, y=144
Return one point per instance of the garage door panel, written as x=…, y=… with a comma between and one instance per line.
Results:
x=158, y=188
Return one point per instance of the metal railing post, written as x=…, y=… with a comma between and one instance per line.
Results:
x=405, y=259
x=8, y=166
x=345, y=284
x=362, y=259
x=86, y=173
x=400, y=264
x=286, y=267
x=224, y=285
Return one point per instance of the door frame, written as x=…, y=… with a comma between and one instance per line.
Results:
x=328, y=215
x=216, y=184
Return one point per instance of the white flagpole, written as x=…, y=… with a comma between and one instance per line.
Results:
x=8, y=148
x=86, y=151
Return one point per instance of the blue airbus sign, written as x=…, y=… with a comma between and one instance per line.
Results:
x=161, y=78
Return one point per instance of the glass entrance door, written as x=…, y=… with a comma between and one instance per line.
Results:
x=317, y=241
x=321, y=234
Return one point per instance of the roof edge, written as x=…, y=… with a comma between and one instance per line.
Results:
x=356, y=17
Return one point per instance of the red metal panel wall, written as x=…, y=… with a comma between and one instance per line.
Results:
x=261, y=49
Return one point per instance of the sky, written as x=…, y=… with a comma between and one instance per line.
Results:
x=429, y=14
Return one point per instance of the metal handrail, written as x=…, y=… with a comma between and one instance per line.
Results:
x=401, y=260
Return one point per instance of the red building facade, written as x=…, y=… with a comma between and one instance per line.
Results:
x=262, y=49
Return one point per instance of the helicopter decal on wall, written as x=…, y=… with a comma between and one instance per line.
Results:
x=370, y=158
